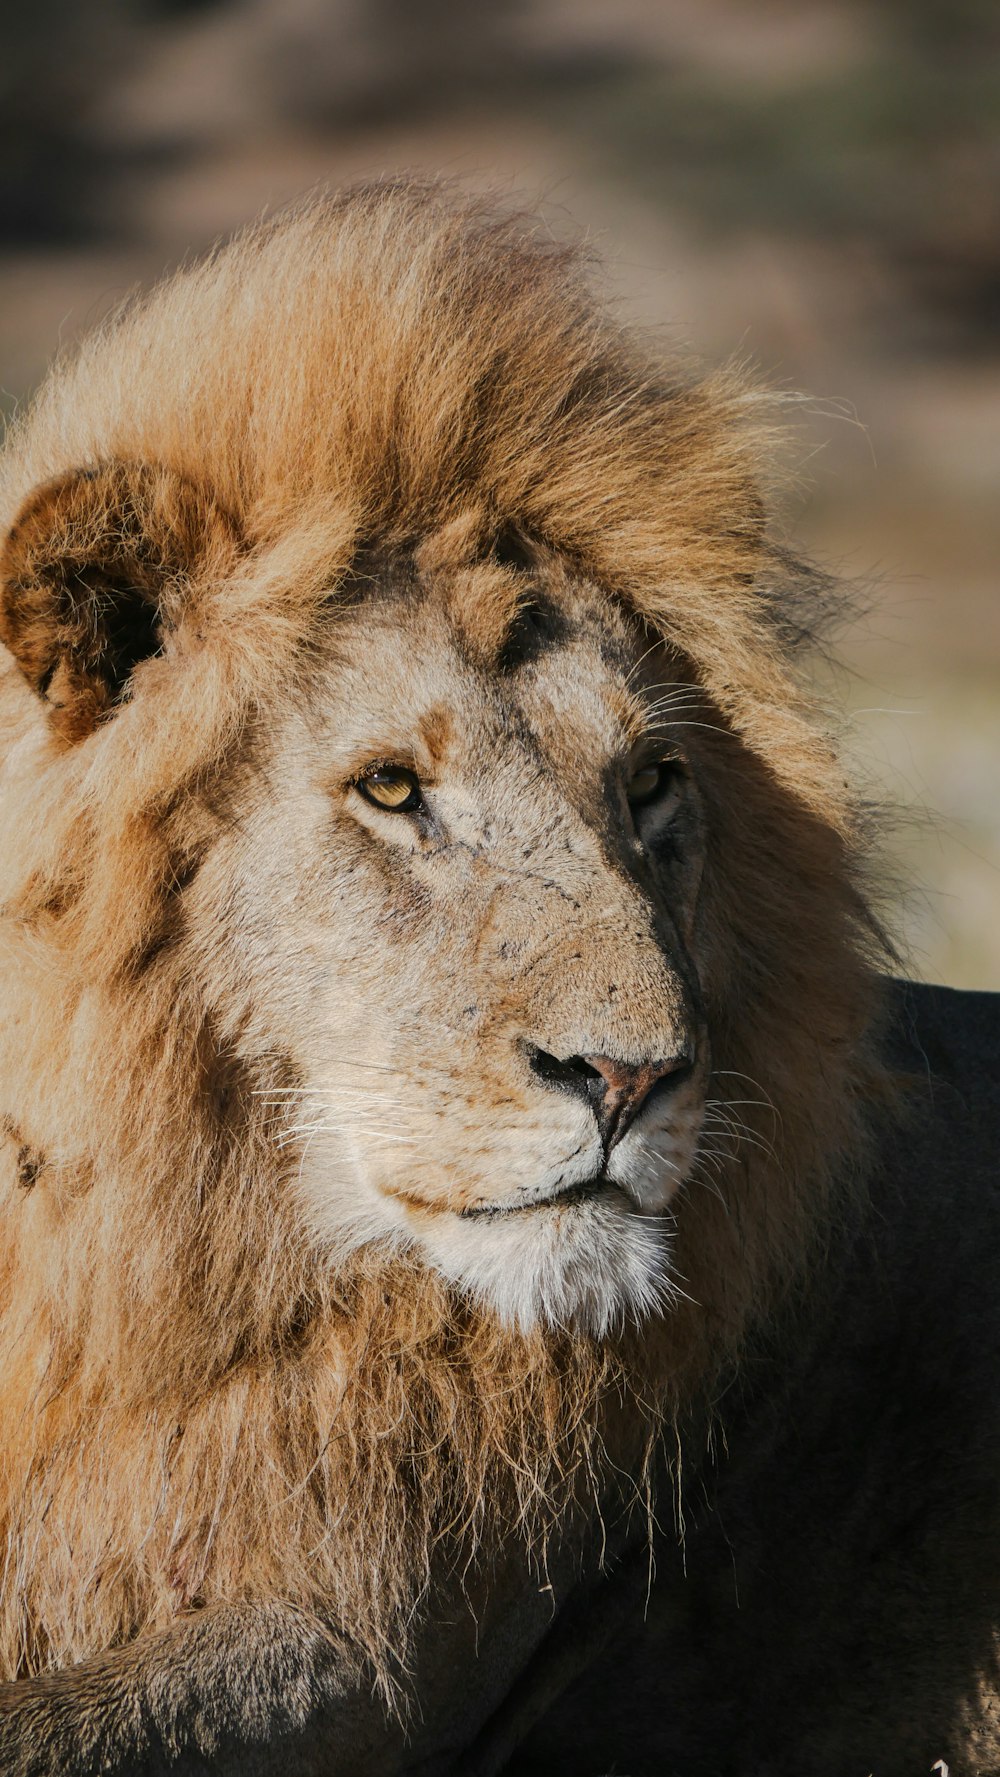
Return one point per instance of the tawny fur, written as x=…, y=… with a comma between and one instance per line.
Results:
x=192, y=1409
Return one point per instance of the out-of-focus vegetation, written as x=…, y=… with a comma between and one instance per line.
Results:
x=815, y=185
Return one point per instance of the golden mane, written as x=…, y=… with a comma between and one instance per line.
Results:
x=191, y=1412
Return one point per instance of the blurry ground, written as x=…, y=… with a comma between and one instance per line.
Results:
x=815, y=185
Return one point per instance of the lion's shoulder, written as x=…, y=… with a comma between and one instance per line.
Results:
x=851, y=1523
x=953, y=1032
x=940, y=1155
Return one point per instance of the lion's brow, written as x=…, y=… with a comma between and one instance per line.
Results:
x=486, y=608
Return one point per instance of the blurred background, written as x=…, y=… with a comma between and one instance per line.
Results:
x=814, y=185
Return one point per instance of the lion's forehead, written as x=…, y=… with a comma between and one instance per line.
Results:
x=400, y=680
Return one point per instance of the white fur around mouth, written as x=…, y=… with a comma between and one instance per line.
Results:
x=589, y=1252
x=592, y=1268
x=581, y=1191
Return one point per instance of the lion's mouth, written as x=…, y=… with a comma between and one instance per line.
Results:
x=583, y=1191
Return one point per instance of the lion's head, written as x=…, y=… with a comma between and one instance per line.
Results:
x=433, y=933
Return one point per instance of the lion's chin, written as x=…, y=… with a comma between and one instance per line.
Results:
x=586, y=1260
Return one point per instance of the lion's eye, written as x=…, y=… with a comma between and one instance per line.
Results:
x=391, y=787
x=651, y=782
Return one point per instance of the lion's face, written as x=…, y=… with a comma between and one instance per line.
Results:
x=462, y=884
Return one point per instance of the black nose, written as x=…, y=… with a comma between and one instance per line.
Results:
x=615, y=1090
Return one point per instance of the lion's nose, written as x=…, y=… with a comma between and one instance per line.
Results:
x=616, y=1090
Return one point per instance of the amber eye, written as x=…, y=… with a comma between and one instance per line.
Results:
x=391, y=787
x=651, y=782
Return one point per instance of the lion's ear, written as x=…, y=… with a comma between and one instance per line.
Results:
x=93, y=576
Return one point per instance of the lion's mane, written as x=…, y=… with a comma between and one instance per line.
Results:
x=192, y=1410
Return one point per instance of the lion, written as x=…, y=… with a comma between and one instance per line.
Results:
x=476, y=1214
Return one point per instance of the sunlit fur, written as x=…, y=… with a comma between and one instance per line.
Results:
x=200, y=1401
